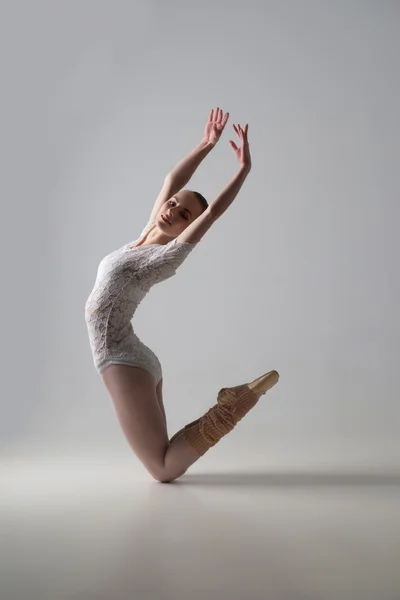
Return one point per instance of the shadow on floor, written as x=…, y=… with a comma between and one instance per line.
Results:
x=289, y=479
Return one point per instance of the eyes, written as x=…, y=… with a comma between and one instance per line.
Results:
x=183, y=214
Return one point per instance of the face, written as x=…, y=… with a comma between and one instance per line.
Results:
x=180, y=210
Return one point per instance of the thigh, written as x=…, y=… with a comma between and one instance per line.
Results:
x=159, y=392
x=134, y=396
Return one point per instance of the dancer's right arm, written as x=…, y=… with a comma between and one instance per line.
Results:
x=182, y=173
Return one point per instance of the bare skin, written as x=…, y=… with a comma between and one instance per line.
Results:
x=137, y=401
x=139, y=407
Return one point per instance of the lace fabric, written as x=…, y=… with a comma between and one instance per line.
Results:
x=123, y=279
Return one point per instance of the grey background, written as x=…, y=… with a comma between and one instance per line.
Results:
x=99, y=101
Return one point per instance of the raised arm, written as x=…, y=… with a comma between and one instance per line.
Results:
x=227, y=196
x=180, y=175
x=195, y=231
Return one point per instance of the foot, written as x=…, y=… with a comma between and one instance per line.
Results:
x=262, y=384
x=254, y=389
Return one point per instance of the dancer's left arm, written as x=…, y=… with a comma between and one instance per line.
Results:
x=181, y=174
x=195, y=231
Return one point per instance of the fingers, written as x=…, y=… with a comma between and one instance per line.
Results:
x=239, y=131
x=242, y=133
x=225, y=119
x=245, y=133
x=216, y=115
x=219, y=120
x=213, y=116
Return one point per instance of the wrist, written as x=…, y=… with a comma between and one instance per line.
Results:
x=245, y=169
x=205, y=143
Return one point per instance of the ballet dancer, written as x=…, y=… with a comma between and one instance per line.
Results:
x=129, y=369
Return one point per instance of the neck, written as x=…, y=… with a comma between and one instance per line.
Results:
x=155, y=236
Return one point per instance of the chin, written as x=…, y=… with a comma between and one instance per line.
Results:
x=164, y=226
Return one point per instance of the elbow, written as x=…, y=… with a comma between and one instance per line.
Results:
x=213, y=213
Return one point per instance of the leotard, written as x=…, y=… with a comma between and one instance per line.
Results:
x=123, y=279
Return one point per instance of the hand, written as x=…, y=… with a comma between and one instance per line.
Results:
x=215, y=126
x=242, y=153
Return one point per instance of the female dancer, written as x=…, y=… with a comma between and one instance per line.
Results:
x=130, y=371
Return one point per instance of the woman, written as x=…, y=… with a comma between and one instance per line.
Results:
x=130, y=371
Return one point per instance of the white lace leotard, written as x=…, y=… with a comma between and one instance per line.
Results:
x=123, y=279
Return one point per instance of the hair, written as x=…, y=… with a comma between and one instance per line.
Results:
x=201, y=199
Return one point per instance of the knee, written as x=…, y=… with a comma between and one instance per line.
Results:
x=164, y=475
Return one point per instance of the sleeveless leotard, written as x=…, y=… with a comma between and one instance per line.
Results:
x=123, y=279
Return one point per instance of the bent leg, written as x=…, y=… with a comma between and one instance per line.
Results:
x=134, y=396
x=159, y=392
x=133, y=392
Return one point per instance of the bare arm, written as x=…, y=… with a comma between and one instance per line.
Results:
x=225, y=199
x=176, y=179
x=227, y=196
x=196, y=230
x=181, y=174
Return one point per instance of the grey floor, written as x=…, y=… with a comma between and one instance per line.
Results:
x=101, y=531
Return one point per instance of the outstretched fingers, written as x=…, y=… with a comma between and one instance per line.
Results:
x=214, y=115
x=242, y=153
x=242, y=133
x=225, y=119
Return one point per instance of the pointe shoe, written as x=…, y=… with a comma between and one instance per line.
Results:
x=233, y=404
x=240, y=397
x=255, y=388
x=262, y=384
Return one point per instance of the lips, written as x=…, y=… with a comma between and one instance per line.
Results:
x=164, y=218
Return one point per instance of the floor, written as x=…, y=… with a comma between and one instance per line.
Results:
x=85, y=531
